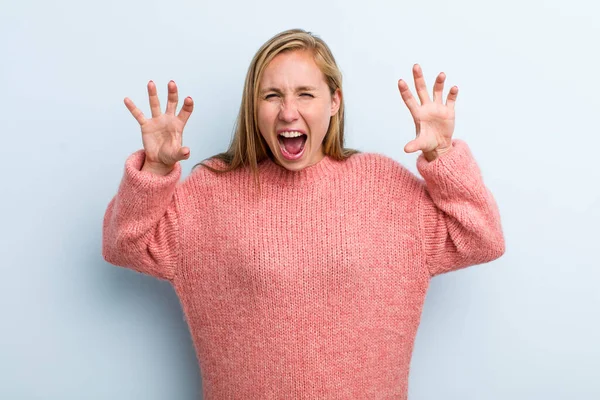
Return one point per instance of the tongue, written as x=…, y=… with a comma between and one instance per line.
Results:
x=293, y=145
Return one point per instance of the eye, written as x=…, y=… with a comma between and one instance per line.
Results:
x=306, y=95
x=270, y=96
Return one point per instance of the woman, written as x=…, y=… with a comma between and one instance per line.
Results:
x=302, y=269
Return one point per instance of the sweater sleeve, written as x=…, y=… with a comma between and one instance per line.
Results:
x=460, y=221
x=140, y=229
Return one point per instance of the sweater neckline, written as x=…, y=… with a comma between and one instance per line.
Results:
x=271, y=172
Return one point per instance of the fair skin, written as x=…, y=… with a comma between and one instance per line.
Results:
x=294, y=96
x=434, y=120
x=162, y=134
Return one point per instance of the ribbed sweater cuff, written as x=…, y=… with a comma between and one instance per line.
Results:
x=147, y=180
x=452, y=174
x=143, y=192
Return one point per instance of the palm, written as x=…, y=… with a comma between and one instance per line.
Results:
x=434, y=120
x=162, y=134
x=434, y=124
x=162, y=137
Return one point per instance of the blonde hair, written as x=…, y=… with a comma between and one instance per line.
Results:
x=248, y=147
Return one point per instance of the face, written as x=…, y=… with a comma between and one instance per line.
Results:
x=295, y=99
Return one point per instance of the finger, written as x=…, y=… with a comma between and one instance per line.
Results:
x=412, y=146
x=420, y=84
x=136, y=112
x=421, y=142
x=438, y=88
x=172, y=99
x=408, y=98
x=183, y=153
x=186, y=110
x=452, y=95
x=153, y=97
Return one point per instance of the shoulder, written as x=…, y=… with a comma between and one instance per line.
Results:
x=378, y=164
x=202, y=180
x=203, y=168
x=385, y=177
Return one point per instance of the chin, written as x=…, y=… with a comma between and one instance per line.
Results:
x=296, y=165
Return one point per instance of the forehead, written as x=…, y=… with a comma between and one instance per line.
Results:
x=292, y=69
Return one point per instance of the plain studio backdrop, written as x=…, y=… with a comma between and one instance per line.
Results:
x=525, y=326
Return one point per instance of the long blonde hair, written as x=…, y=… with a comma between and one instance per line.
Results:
x=248, y=147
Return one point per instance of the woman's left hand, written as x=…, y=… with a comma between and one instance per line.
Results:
x=434, y=120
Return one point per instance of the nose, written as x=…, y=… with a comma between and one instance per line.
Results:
x=289, y=110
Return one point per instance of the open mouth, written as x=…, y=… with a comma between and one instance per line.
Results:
x=292, y=144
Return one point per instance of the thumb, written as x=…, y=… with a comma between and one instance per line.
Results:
x=412, y=146
x=183, y=153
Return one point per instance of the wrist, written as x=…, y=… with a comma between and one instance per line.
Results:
x=157, y=168
x=435, y=154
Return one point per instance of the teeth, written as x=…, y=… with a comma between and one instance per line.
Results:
x=290, y=134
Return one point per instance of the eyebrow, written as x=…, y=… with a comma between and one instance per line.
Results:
x=298, y=89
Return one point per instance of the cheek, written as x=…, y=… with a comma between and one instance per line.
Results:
x=320, y=118
x=264, y=120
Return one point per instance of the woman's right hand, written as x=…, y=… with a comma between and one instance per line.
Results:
x=162, y=134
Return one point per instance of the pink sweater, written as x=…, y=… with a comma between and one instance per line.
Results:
x=313, y=290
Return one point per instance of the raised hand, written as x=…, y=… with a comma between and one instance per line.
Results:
x=434, y=120
x=162, y=134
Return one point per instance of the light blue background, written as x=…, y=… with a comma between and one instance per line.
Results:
x=74, y=327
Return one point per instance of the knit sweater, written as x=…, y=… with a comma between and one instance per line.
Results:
x=314, y=288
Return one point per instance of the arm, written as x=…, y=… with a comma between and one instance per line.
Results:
x=459, y=218
x=140, y=229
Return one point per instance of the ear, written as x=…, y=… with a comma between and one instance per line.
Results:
x=336, y=101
